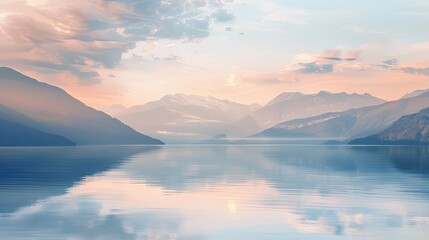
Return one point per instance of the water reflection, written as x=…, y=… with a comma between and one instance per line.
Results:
x=29, y=174
x=238, y=192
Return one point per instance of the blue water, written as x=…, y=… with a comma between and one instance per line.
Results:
x=214, y=192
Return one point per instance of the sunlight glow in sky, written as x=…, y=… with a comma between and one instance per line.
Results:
x=130, y=52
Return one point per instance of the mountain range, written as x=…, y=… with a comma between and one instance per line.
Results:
x=52, y=111
x=350, y=124
x=295, y=105
x=415, y=93
x=185, y=118
x=192, y=118
x=33, y=113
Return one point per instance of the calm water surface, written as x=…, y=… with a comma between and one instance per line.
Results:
x=214, y=192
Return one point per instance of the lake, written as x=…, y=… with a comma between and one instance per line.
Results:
x=215, y=192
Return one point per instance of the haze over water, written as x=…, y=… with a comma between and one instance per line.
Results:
x=214, y=192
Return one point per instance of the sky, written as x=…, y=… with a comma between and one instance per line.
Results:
x=133, y=51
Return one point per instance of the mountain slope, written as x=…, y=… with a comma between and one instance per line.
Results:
x=115, y=110
x=10, y=115
x=353, y=123
x=409, y=129
x=17, y=129
x=181, y=118
x=415, y=93
x=16, y=134
x=59, y=113
x=288, y=106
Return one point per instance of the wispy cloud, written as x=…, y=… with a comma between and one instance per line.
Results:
x=390, y=62
x=338, y=55
x=330, y=60
x=273, y=11
x=310, y=68
x=170, y=57
x=416, y=71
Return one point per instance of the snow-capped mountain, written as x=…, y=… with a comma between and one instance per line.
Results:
x=350, y=124
x=415, y=93
x=286, y=96
x=185, y=117
x=293, y=105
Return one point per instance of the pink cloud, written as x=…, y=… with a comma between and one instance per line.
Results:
x=82, y=37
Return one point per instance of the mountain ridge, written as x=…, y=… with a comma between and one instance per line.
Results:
x=289, y=106
x=354, y=123
x=61, y=114
x=415, y=93
x=185, y=117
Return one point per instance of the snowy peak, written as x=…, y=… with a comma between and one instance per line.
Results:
x=195, y=100
x=184, y=99
x=182, y=117
x=181, y=100
x=297, y=96
x=285, y=97
x=325, y=93
x=415, y=93
x=288, y=106
x=342, y=94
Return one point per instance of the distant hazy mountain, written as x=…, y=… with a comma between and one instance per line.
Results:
x=59, y=113
x=217, y=139
x=115, y=110
x=182, y=117
x=286, y=96
x=294, y=105
x=415, y=93
x=409, y=129
x=10, y=115
x=349, y=124
x=16, y=130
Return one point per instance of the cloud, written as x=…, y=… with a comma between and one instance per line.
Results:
x=415, y=71
x=278, y=13
x=86, y=77
x=389, y=62
x=170, y=57
x=149, y=46
x=392, y=64
x=311, y=68
x=330, y=60
x=336, y=55
x=86, y=36
x=351, y=65
x=223, y=16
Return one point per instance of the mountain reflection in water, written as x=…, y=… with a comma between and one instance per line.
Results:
x=215, y=192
